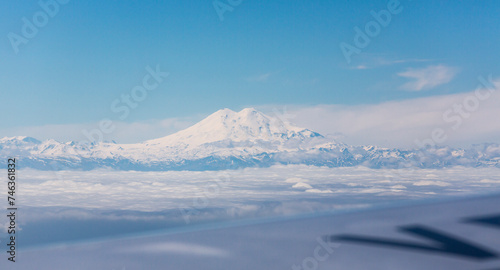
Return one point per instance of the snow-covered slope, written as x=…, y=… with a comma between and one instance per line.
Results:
x=248, y=125
x=227, y=140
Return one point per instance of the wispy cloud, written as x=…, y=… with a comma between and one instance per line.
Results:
x=371, y=61
x=264, y=77
x=400, y=123
x=428, y=77
x=260, y=78
x=361, y=67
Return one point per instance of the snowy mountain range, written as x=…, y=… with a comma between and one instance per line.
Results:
x=230, y=140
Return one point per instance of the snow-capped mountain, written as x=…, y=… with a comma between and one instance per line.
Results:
x=228, y=140
x=248, y=125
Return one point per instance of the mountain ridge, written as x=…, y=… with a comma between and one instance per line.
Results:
x=229, y=140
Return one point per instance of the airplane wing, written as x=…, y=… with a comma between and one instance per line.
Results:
x=462, y=234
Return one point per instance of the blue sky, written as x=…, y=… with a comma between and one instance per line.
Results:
x=262, y=52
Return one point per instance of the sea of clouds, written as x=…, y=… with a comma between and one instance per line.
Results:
x=87, y=204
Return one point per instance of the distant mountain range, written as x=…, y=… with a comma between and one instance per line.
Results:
x=230, y=140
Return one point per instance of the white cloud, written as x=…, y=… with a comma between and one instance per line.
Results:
x=400, y=123
x=264, y=77
x=260, y=78
x=427, y=78
x=431, y=183
x=360, y=67
x=319, y=191
x=489, y=181
x=295, y=180
x=371, y=61
x=301, y=185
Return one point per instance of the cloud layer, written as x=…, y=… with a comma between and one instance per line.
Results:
x=248, y=190
x=464, y=118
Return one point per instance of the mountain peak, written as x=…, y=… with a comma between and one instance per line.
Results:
x=228, y=113
x=223, y=112
x=247, y=111
x=247, y=125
